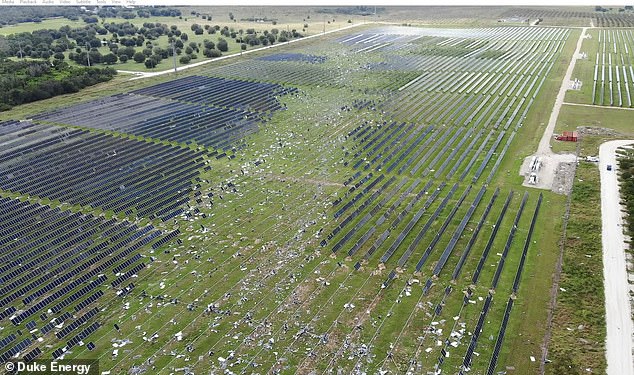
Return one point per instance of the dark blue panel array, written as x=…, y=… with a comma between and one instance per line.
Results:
x=160, y=118
x=30, y=356
x=16, y=349
x=71, y=327
x=98, y=170
x=64, y=260
x=294, y=57
x=252, y=96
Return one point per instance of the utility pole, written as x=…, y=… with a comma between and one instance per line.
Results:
x=88, y=53
x=324, y=24
x=20, y=46
x=174, y=55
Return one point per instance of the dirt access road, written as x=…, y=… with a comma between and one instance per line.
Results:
x=617, y=299
x=555, y=167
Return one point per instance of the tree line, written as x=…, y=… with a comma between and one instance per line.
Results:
x=128, y=42
x=626, y=168
x=12, y=15
x=28, y=81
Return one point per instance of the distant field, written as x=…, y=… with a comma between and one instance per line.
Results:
x=54, y=23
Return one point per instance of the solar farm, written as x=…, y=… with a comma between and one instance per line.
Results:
x=349, y=204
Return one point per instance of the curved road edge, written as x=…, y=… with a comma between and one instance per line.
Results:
x=617, y=300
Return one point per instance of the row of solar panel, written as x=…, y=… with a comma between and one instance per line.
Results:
x=54, y=322
x=71, y=327
x=100, y=170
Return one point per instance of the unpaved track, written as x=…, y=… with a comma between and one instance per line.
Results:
x=544, y=143
x=550, y=161
x=617, y=300
x=599, y=106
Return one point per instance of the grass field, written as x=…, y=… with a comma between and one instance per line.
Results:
x=261, y=282
x=583, y=327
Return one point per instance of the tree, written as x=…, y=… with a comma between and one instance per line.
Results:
x=59, y=56
x=222, y=45
x=189, y=50
x=110, y=58
x=243, y=46
x=212, y=53
x=150, y=63
x=123, y=58
x=185, y=59
x=184, y=37
x=231, y=17
x=209, y=44
x=139, y=57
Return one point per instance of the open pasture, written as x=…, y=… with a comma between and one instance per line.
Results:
x=365, y=228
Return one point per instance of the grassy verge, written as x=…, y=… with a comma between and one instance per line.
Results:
x=571, y=117
x=578, y=333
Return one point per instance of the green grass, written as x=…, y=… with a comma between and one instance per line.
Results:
x=315, y=26
x=578, y=332
x=52, y=23
x=255, y=231
x=582, y=302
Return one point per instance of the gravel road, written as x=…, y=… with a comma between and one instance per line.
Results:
x=617, y=299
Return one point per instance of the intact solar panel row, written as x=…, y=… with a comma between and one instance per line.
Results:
x=30, y=356
x=313, y=59
x=89, y=300
x=71, y=327
x=55, y=321
x=160, y=119
x=50, y=233
x=99, y=170
x=36, y=265
x=15, y=350
x=126, y=264
x=82, y=335
x=127, y=275
x=100, y=255
x=254, y=96
x=7, y=340
x=166, y=239
x=7, y=312
x=75, y=273
x=73, y=297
